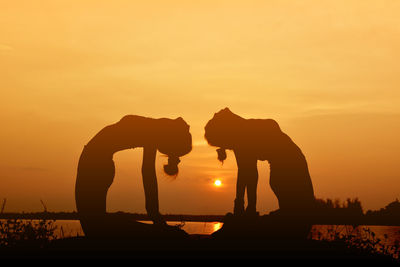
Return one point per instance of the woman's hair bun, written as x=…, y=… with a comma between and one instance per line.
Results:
x=172, y=167
x=221, y=154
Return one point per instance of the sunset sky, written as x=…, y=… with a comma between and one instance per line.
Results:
x=327, y=71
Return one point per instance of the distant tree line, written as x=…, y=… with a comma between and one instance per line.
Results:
x=133, y=216
x=351, y=212
x=389, y=215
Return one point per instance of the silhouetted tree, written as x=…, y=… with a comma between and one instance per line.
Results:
x=388, y=215
x=349, y=212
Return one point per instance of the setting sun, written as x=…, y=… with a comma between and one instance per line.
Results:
x=217, y=183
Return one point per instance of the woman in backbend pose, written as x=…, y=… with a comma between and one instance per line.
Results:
x=96, y=166
x=262, y=139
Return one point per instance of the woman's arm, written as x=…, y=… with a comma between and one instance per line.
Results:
x=247, y=178
x=150, y=185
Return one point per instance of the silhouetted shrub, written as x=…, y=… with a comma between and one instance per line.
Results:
x=17, y=233
x=360, y=240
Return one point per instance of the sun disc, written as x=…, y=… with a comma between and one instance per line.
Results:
x=217, y=183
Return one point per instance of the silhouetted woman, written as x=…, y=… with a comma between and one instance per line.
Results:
x=96, y=166
x=262, y=139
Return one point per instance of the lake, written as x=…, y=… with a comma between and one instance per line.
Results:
x=69, y=228
x=388, y=234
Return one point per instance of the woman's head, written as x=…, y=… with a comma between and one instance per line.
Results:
x=223, y=131
x=173, y=140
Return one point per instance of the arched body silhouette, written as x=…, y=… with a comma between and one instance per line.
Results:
x=262, y=139
x=96, y=167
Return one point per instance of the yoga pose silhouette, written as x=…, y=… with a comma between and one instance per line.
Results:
x=96, y=166
x=262, y=139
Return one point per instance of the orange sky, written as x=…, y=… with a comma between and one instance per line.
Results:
x=327, y=71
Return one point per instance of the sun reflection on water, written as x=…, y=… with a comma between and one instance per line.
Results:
x=217, y=226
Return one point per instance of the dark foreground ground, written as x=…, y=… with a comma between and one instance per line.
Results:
x=195, y=247
x=237, y=239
